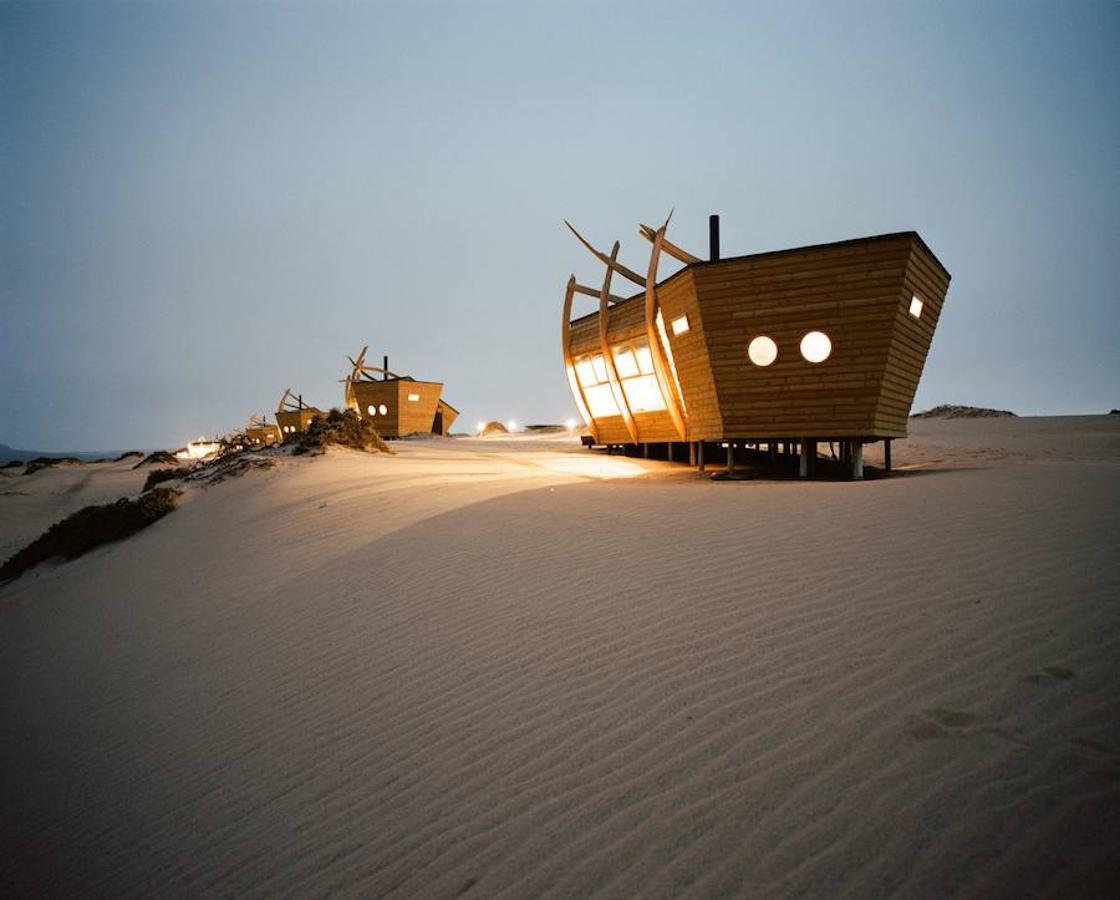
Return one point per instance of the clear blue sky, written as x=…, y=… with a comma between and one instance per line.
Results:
x=206, y=203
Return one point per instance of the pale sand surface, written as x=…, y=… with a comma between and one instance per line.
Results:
x=515, y=668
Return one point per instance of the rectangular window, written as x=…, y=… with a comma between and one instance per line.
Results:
x=643, y=394
x=680, y=325
x=413, y=398
x=625, y=362
x=585, y=372
x=600, y=400
x=916, y=307
x=645, y=360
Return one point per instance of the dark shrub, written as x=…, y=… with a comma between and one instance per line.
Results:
x=46, y=462
x=340, y=428
x=90, y=527
x=158, y=476
x=160, y=456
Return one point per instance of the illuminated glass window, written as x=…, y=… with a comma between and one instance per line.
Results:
x=762, y=350
x=643, y=394
x=680, y=325
x=816, y=346
x=585, y=372
x=625, y=362
x=645, y=360
x=916, y=307
x=591, y=371
x=413, y=398
x=383, y=409
x=371, y=409
x=600, y=400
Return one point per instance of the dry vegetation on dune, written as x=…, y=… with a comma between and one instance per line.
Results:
x=340, y=428
x=957, y=411
x=90, y=527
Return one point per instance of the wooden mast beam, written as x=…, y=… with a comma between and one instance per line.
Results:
x=672, y=249
x=608, y=357
x=594, y=292
x=606, y=260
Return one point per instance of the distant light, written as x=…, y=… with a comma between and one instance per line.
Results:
x=479, y=427
x=916, y=307
x=816, y=346
x=570, y=424
x=680, y=325
x=762, y=350
x=511, y=426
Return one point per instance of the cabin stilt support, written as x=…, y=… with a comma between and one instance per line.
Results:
x=730, y=458
x=855, y=453
x=887, y=455
x=700, y=456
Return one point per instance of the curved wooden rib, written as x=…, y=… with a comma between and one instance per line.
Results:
x=606, y=260
x=660, y=365
x=569, y=365
x=672, y=249
x=287, y=402
x=594, y=292
x=608, y=357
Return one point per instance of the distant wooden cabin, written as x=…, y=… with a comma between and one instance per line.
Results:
x=293, y=416
x=261, y=433
x=786, y=349
x=397, y=405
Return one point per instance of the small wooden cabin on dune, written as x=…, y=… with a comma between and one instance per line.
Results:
x=787, y=349
x=260, y=433
x=397, y=405
x=292, y=415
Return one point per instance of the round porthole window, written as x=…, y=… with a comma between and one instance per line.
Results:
x=371, y=409
x=383, y=409
x=762, y=350
x=816, y=346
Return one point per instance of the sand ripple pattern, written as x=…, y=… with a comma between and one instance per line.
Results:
x=654, y=688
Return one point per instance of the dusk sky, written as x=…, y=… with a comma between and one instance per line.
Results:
x=207, y=203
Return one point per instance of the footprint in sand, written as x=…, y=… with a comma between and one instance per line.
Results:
x=938, y=722
x=1050, y=674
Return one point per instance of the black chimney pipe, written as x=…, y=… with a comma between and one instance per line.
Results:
x=385, y=366
x=713, y=238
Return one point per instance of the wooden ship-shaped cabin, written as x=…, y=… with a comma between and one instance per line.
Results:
x=261, y=433
x=292, y=415
x=397, y=405
x=785, y=349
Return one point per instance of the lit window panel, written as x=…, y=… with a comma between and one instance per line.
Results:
x=645, y=360
x=600, y=401
x=643, y=394
x=626, y=364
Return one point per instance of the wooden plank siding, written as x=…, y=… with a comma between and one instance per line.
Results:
x=856, y=292
x=402, y=416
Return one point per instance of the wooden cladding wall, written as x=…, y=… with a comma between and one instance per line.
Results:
x=850, y=292
x=402, y=416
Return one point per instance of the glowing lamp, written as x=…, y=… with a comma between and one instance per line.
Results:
x=816, y=347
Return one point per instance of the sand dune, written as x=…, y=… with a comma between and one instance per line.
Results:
x=507, y=667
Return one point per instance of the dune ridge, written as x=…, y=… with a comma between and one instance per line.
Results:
x=499, y=669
